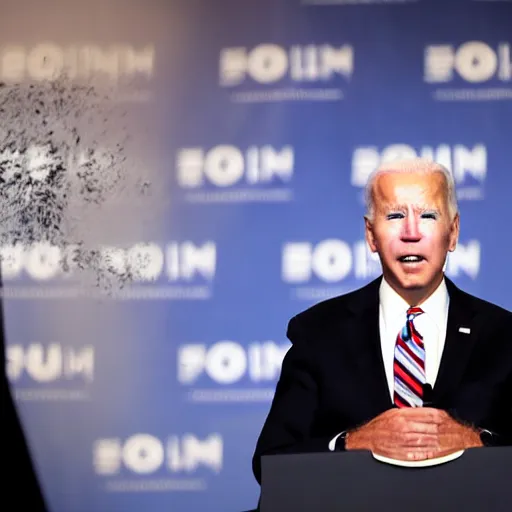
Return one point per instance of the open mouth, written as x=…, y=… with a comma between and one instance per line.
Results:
x=411, y=258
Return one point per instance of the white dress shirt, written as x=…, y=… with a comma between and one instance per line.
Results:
x=431, y=325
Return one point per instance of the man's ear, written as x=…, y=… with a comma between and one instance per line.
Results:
x=454, y=232
x=370, y=236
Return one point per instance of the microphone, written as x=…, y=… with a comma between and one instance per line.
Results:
x=427, y=395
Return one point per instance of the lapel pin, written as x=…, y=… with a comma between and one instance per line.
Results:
x=465, y=330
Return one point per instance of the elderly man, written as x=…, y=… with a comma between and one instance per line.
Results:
x=409, y=366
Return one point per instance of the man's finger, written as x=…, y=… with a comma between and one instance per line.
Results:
x=423, y=414
x=421, y=455
x=422, y=441
x=407, y=454
x=419, y=427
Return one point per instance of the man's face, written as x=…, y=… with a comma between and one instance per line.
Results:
x=412, y=230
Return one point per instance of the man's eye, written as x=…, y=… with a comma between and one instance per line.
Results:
x=392, y=216
x=429, y=216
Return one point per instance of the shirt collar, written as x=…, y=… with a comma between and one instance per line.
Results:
x=393, y=306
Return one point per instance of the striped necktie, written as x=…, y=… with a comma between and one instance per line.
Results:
x=409, y=364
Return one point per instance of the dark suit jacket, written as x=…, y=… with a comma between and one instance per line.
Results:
x=21, y=486
x=333, y=378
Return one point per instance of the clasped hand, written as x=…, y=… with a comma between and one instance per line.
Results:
x=416, y=433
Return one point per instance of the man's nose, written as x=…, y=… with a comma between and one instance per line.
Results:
x=411, y=230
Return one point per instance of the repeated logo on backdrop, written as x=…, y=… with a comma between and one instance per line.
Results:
x=351, y=3
x=269, y=73
x=50, y=371
x=470, y=71
x=174, y=270
x=228, y=174
x=144, y=462
x=122, y=65
x=317, y=271
x=230, y=371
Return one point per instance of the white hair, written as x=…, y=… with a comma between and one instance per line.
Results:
x=415, y=165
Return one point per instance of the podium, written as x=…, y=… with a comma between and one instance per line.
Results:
x=479, y=480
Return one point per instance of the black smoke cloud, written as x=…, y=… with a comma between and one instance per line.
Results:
x=64, y=165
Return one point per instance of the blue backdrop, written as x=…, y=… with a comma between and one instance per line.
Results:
x=257, y=123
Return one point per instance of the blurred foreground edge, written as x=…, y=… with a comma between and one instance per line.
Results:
x=21, y=486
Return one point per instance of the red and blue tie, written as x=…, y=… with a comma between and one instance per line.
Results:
x=409, y=364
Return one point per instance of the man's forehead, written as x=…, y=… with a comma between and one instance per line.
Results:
x=421, y=207
x=417, y=182
x=409, y=185
x=399, y=191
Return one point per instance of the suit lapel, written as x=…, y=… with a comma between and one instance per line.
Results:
x=367, y=345
x=458, y=344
